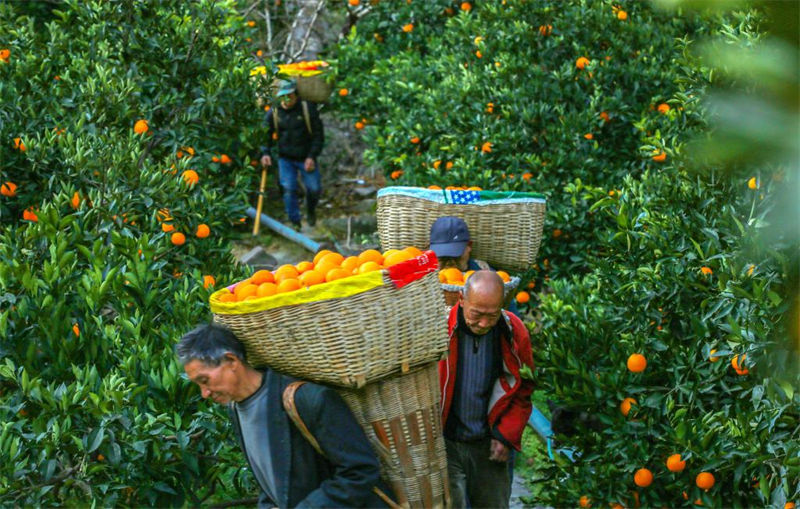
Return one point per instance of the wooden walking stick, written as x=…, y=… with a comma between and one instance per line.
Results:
x=257, y=224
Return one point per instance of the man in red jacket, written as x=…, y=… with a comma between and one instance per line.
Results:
x=485, y=401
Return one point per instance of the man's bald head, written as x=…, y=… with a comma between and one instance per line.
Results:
x=482, y=301
x=484, y=282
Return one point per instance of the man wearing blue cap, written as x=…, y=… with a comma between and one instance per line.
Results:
x=298, y=130
x=451, y=242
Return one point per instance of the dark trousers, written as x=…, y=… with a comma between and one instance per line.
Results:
x=476, y=481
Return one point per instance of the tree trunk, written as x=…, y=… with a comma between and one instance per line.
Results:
x=307, y=32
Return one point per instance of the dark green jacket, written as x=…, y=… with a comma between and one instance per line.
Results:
x=344, y=477
x=294, y=141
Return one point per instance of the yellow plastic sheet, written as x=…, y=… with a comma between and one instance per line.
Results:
x=346, y=287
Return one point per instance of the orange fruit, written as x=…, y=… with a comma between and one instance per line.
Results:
x=625, y=406
x=325, y=265
x=637, y=363
x=178, y=239
x=9, y=189
x=359, y=125
x=442, y=276
x=141, y=126
x=203, y=231
x=304, y=267
x=408, y=27
x=585, y=502
x=643, y=478
x=343, y=92
x=674, y=463
x=288, y=285
x=266, y=289
x=334, y=258
x=5, y=54
x=166, y=228
x=350, y=263
x=337, y=273
x=262, y=276
x=311, y=278
x=354, y=3
x=523, y=297
x=370, y=255
x=711, y=355
x=389, y=252
x=368, y=267
x=243, y=291
x=224, y=159
x=466, y=6
x=467, y=274
x=738, y=364
x=622, y=15
x=504, y=276
x=660, y=156
x=395, y=258
x=706, y=270
x=581, y=62
x=704, y=480
x=663, y=108
x=190, y=177
x=208, y=280
x=285, y=272
x=789, y=505
x=319, y=255
x=452, y=275
x=76, y=200
x=227, y=297
x=414, y=252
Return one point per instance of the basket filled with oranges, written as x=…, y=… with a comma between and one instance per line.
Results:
x=506, y=227
x=312, y=77
x=452, y=281
x=339, y=320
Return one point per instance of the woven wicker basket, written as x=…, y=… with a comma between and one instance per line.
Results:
x=451, y=292
x=345, y=341
x=506, y=234
x=314, y=88
x=401, y=418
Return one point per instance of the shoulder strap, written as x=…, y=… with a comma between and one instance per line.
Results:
x=275, y=118
x=306, y=116
x=291, y=410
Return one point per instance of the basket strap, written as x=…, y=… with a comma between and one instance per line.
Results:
x=306, y=116
x=275, y=118
x=291, y=410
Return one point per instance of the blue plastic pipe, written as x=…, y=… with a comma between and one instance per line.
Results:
x=284, y=230
x=541, y=425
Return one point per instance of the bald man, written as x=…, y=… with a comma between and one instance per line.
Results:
x=485, y=401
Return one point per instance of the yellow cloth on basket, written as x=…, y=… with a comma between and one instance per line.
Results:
x=340, y=288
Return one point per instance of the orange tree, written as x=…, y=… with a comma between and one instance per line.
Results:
x=594, y=103
x=116, y=199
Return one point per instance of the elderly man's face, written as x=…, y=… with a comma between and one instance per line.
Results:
x=288, y=100
x=221, y=383
x=482, y=309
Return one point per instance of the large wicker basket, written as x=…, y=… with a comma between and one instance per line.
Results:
x=314, y=88
x=506, y=228
x=401, y=418
x=345, y=333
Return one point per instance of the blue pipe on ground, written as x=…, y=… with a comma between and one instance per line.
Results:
x=541, y=425
x=285, y=231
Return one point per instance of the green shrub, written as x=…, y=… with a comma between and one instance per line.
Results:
x=94, y=293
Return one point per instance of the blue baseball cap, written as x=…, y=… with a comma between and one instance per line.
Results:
x=286, y=87
x=449, y=236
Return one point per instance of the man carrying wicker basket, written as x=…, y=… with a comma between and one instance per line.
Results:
x=323, y=460
x=485, y=401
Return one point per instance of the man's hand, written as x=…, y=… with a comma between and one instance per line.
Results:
x=309, y=164
x=266, y=161
x=498, y=451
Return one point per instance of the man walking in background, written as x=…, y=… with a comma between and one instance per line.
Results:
x=296, y=129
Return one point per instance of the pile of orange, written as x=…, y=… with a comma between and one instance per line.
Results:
x=326, y=266
x=454, y=276
x=456, y=188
